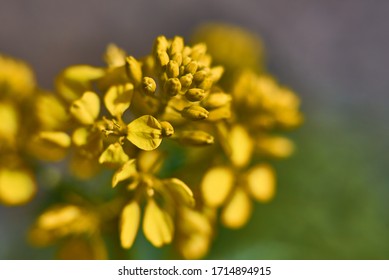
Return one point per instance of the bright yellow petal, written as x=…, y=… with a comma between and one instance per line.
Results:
x=86, y=109
x=145, y=133
x=237, y=211
x=113, y=155
x=157, y=225
x=194, y=247
x=118, y=98
x=16, y=187
x=127, y=171
x=9, y=123
x=261, y=182
x=180, y=191
x=129, y=224
x=216, y=185
x=149, y=161
x=241, y=146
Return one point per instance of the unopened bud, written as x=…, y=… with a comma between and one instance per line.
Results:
x=134, y=70
x=191, y=67
x=186, y=80
x=172, y=86
x=148, y=85
x=206, y=84
x=167, y=129
x=162, y=58
x=161, y=44
x=215, y=100
x=172, y=69
x=199, y=76
x=195, y=94
x=177, y=45
x=177, y=57
x=195, y=112
x=196, y=138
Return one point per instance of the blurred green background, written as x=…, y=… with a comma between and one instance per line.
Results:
x=332, y=200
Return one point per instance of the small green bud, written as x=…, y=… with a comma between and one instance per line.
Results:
x=195, y=112
x=172, y=69
x=148, y=85
x=172, y=86
x=195, y=94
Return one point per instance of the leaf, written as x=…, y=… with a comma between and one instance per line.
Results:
x=237, y=211
x=118, y=98
x=129, y=224
x=157, y=225
x=216, y=185
x=86, y=109
x=261, y=182
x=145, y=133
x=127, y=171
x=180, y=191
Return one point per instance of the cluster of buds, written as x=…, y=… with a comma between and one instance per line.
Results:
x=117, y=118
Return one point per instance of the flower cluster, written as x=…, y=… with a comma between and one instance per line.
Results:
x=181, y=143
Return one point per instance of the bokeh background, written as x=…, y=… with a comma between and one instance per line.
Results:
x=333, y=194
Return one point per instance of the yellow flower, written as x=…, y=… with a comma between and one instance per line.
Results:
x=162, y=199
x=77, y=227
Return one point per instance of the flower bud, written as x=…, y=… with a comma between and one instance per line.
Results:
x=177, y=45
x=216, y=100
x=172, y=69
x=195, y=112
x=148, y=85
x=206, y=84
x=162, y=58
x=186, y=80
x=172, y=86
x=196, y=138
x=134, y=70
x=191, y=67
x=167, y=129
x=195, y=94
x=199, y=76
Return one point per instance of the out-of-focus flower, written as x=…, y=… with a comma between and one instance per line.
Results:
x=17, y=90
x=75, y=227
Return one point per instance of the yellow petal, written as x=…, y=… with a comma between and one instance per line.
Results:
x=194, y=221
x=261, y=182
x=16, y=187
x=276, y=146
x=237, y=211
x=241, y=146
x=150, y=161
x=195, y=246
x=75, y=80
x=59, y=217
x=157, y=225
x=87, y=108
x=145, y=133
x=80, y=136
x=51, y=112
x=127, y=171
x=216, y=185
x=220, y=113
x=180, y=191
x=118, y=98
x=129, y=224
x=114, y=56
x=9, y=123
x=113, y=155
x=58, y=138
